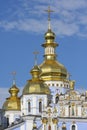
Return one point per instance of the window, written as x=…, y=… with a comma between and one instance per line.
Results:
x=73, y=127
x=48, y=84
x=40, y=106
x=7, y=121
x=57, y=85
x=29, y=107
x=52, y=84
x=49, y=127
x=72, y=110
x=56, y=99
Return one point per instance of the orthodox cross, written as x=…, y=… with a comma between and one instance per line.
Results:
x=36, y=53
x=49, y=11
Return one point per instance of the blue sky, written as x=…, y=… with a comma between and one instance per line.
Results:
x=22, y=27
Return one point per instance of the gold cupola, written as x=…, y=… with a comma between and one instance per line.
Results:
x=12, y=103
x=36, y=85
x=51, y=69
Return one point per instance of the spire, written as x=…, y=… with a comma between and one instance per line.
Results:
x=13, y=101
x=36, y=53
x=14, y=79
x=35, y=72
x=14, y=90
x=49, y=11
x=50, y=44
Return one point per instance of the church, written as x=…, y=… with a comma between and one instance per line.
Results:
x=49, y=100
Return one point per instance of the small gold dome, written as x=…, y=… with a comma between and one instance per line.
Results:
x=49, y=34
x=13, y=90
x=13, y=102
x=49, y=38
x=35, y=85
x=52, y=70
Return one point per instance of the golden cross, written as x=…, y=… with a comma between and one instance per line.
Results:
x=36, y=53
x=49, y=11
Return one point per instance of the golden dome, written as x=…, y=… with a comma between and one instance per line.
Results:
x=35, y=85
x=13, y=102
x=13, y=91
x=52, y=70
x=49, y=34
x=49, y=38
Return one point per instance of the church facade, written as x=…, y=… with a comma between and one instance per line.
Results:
x=49, y=100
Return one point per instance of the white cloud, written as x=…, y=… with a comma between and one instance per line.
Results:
x=83, y=19
x=30, y=25
x=72, y=4
x=70, y=17
x=65, y=28
x=8, y=25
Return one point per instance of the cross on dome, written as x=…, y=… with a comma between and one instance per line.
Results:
x=49, y=11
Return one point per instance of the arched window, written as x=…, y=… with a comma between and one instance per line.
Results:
x=72, y=110
x=49, y=127
x=73, y=127
x=29, y=106
x=7, y=121
x=56, y=99
x=40, y=106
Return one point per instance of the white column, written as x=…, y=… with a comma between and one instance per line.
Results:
x=11, y=118
x=54, y=126
x=79, y=111
x=34, y=105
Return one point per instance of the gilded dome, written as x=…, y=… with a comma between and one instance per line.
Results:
x=13, y=102
x=49, y=34
x=35, y=85
x=52, y=70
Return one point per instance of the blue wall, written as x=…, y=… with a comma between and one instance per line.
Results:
x=80, y=125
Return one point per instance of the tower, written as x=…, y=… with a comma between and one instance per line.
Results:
x=11, y=107
x=35, y=94
x=54, y=74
